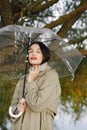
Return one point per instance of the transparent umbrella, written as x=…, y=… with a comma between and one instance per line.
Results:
x=15, y=40
x=14, y=44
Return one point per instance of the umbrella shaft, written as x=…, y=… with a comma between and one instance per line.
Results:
x=24, y=81
x=26, y=65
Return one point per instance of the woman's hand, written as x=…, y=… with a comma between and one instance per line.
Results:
x=22, y=105
x=34, y=73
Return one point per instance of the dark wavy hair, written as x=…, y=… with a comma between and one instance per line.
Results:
x=45, y=50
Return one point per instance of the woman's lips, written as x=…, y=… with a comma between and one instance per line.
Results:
x=33, y=58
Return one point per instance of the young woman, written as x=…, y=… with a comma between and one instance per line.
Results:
x=42, y=92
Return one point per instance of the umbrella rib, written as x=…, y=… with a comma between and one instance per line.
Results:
x=22, y=50
x=10, y=38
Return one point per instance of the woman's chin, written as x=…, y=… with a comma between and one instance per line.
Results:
x=33, y=63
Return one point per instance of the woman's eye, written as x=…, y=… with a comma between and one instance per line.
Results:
x=38, y=51
x=30, y=51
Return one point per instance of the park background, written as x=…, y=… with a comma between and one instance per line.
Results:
x=68, y=19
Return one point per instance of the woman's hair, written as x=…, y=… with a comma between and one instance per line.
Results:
x=45, y=51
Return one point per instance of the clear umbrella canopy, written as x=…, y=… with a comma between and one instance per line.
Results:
x=14, y=44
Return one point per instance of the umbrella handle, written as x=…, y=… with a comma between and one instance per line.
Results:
x=13, y=115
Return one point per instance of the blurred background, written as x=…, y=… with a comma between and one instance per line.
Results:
x=69, y=20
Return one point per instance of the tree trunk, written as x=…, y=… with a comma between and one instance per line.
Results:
x=6, y=13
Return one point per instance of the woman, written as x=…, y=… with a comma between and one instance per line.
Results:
x=42, y=92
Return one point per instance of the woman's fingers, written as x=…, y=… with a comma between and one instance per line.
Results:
x=34, y=73
x=35, y=68
x=22, y=105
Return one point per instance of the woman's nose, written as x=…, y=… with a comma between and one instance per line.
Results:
x=33, y=54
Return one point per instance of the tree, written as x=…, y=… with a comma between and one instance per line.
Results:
x=5, y=12
x=68, y=18
x=71, y=23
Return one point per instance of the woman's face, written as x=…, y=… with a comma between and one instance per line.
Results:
x=35, y=55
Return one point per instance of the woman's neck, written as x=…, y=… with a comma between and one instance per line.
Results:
x=36, y=65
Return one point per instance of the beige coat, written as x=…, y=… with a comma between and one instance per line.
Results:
x=42, y=98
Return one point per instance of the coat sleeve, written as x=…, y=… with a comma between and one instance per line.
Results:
x=17, y=93
x=39, y=99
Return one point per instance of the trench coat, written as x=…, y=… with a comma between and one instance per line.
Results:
x=42, y=98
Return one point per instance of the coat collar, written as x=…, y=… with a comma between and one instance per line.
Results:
x=44, y=68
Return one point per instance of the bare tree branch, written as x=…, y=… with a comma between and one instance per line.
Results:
x=84, y=52
x=69, y=16
x=68, y=23
x=77, y=40
x=36, y=7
